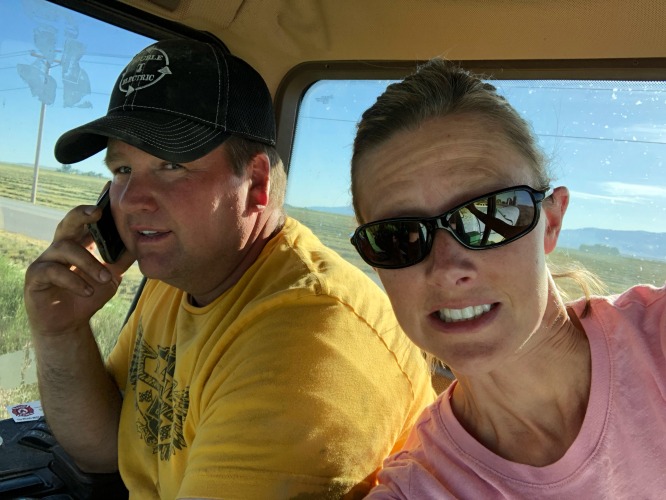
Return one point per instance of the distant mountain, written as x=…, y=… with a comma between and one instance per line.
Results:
x=334, y=210
x=630, y=243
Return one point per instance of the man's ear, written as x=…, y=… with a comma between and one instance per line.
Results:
x=259, y=173
x=554, y=208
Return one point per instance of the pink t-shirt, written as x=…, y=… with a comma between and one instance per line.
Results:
x=619, y=453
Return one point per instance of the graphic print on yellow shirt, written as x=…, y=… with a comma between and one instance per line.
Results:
x=161, y=405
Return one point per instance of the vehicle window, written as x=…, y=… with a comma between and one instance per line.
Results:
x=606, y=141
x=57, y=69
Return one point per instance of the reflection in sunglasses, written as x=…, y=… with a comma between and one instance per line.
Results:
x=485, y=222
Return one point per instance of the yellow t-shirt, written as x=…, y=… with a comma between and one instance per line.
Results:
x=296, y=381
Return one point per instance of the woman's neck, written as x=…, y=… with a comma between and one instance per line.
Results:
x=532, y=409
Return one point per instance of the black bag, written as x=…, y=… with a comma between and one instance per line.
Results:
x=34, y=465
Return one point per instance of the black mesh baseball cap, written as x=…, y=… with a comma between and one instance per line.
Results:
x=178, y=100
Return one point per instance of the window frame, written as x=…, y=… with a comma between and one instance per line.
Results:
x=300, y=78
x=133, y=19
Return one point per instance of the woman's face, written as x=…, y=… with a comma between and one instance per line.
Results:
x=426, y=172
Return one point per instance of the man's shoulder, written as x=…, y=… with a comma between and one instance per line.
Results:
x=300, y=271
x=314, y=263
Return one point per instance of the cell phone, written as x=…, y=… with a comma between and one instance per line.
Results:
x=104, y=231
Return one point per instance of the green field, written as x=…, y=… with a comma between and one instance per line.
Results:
x=54, y=189
x=63, y=191
x=617, y=272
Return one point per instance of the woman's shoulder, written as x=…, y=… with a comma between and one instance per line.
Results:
x=637, y=303
x=634, y=319
x=638, y=297
x=642, y=296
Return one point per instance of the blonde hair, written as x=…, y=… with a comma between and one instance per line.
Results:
x=583, y=281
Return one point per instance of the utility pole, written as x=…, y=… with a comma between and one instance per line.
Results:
x=75, y=80
x=38, y=147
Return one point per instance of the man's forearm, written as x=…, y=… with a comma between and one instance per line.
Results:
x=80, y=399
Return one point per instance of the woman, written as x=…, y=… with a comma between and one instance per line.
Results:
x=550, y=399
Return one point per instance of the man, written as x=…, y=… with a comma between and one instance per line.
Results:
x=258, y=363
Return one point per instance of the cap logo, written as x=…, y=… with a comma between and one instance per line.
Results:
x=146, y=69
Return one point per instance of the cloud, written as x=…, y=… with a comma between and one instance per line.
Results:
x=642, y=131
x=623, y=189
x=580, y=195
x=622, y=192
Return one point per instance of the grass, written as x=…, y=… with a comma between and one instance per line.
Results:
x=54, y=189
x=616, y=272
x=16, y=253
x=13, y=320
x=21, y=394
x=20, y=250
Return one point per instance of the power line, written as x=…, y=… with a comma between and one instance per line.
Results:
x=102, y=63
x=604, y=139
x=556, y=136
x=15, y=54
x=105, y=94
x=15, y=88
x=586, y=85
x=126, y=57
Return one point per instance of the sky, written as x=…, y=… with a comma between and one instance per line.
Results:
x=106, y=50
x=606, y=141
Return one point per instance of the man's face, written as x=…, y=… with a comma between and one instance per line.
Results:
x=185, y=223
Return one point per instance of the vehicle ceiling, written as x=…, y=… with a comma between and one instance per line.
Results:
x=276, y=35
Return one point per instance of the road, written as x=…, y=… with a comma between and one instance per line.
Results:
x=31, y=220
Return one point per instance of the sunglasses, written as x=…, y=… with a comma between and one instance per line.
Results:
x=489, y=221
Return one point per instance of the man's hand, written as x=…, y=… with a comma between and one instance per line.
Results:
x=67, y=284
